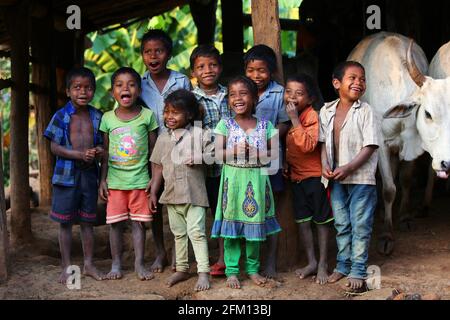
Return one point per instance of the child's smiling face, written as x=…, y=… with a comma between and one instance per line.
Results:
x=207, y=71
x=259, y=72
x=240, y=98
x=297, y=94
x=126, y=90
x=155, y=56
x=174, y=118
x=81, y=91
x=353, y=84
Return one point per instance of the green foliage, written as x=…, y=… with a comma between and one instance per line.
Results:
x=121, y=47
x=5, y=107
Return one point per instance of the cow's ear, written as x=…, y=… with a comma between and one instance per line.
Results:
x=401, y=110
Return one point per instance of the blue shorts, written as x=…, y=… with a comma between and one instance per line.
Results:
x=277, y=181
x=78, y=203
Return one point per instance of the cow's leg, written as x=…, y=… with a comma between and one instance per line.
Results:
x=385, y=243
x=406, y=216
x=424, y=209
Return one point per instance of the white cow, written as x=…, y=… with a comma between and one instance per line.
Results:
x=415, y=110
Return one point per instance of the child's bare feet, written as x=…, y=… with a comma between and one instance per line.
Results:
x=355, y=284
x=233, y=282
x=92, y=271
x=307, y=271
x=269, y=271
x=177, y=277
x=202, y=282
x=258, y=279
x=115, y=273
x=159, y=264
x=322, y=274
x=335, y=277
x=63, y=276
x=142, y=273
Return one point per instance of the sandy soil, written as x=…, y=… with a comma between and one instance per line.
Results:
x=419, y=264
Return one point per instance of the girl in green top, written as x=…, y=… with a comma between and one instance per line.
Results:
x=129, y=137
x=247, y=209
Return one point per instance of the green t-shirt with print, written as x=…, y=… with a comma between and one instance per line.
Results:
x=128, y=149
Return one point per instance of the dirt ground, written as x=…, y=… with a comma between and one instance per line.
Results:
x=419, y=264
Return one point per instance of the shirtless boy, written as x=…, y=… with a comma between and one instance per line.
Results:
x=77, y=144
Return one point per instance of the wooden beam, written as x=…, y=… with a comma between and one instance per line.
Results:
x=41, y=48
x=5, y=54
x=266, y=29
x=5, y=83
x=4, y=239
x=232, y=26
x=285, y=24
x=204, y=16
x=17, y=24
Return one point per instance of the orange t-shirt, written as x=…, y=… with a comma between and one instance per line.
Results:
x=302, y=152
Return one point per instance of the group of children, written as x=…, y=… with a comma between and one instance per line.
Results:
x=226, y=149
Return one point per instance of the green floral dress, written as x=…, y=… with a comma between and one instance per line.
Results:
x=246, y=208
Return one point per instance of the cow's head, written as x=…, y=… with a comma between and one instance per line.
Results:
x=430, y=104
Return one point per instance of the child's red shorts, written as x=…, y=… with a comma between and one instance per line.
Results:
x=124, y=204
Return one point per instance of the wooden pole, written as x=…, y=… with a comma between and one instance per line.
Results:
x=16, y=21
x=4, y=239
x=41, y=75
x=266, y=29
x=204, y=15
x=232, y=26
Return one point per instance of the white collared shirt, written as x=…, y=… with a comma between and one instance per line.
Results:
x=359, y=129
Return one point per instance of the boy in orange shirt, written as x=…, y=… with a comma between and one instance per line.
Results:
x=304, y=169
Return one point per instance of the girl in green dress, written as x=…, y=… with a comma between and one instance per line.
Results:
x=247, y=210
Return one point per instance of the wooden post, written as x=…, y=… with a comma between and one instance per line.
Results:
x=205, y=20
x=232, y=26
x=16, y=20
x=233, y=38
x=4, y=239
x=41, y=75
x=266, y=29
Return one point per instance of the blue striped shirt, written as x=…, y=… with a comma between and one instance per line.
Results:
x=58, y=131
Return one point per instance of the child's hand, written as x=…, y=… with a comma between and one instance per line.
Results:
x=341, y=173
x=103, y=191
x=327, y=173
x=88, y=155
x=291, y=111
x=153, y=203
x=252, y=154
x=189, y=161
x=99, y=152
x=241, y=149
x=148, y=188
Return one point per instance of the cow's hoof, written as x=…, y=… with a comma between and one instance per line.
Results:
x=385, y=245
x=407, y=225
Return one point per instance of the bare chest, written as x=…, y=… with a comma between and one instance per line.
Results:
x=81, y=131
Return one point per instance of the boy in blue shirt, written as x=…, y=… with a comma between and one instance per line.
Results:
x=77, y=144
x=157, y=83
x=206, y=67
